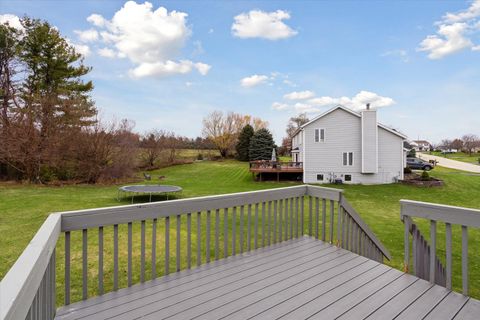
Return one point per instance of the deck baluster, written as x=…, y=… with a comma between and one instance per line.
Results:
x=67, y=268
x=225, y=232
x=207, y=238
x=217, y=233
x=448, y=253
x=199, y=238
x=167, y=245
x=100, y=260
x=154, y=249
x=465, y=260
x=178, y=240
x=129, y=255
x=115, y=257
x=142, y=251
x=242, y=211
x=189, y=240
x=84, y=264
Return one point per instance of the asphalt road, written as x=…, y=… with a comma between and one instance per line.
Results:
x=449, y=163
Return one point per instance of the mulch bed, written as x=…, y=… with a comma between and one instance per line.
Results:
x=414, y=179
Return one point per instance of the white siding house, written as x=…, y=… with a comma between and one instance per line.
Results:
x=351, y=146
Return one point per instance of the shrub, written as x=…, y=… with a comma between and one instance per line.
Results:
x=425, y=176
x=199, y=156
x=407, y=170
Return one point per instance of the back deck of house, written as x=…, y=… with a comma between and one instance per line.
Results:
x=302, y=278
x=263, y=168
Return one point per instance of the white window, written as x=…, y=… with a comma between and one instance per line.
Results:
x=348, y=158
x=319, y=135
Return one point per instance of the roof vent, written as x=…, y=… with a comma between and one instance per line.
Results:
x=368, y=106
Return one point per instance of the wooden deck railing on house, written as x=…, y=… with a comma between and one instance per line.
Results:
x=276, y=165
x=203, y=229
x=424, y=259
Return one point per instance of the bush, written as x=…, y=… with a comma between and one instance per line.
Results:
x=200, y=156
x=425, y=176
x=407, y=170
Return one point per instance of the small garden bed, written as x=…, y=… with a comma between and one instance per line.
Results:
x=423, y=180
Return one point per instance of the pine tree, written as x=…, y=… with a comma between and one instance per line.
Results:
x=261, y=145
x=57, y=100
x=243, y=144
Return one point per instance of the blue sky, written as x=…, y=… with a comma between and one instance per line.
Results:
x=416, y=62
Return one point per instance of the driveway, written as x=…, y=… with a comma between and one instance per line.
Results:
x=453, y=164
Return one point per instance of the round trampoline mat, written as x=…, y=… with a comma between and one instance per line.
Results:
x=150, y=188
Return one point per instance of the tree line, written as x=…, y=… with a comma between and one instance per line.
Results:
x=467, y=143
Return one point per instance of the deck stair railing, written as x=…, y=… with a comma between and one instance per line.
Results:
x=170, y=236
x=426, y=263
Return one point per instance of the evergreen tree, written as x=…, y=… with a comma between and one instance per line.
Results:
x=243, y=144
x=56, y=100
x=261, y=145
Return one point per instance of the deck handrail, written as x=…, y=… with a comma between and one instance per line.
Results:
x=426, y=263
x=251, y=220
x=31, y=280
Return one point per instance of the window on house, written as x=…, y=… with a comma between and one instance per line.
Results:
x=319, y=135
x=319, y=177
x=348, y=177
x=348, y=158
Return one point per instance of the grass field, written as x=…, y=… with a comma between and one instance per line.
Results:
x=23, y=208
x=459, y=156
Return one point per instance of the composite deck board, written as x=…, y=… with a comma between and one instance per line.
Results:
x=295, y=279
x=160, y=308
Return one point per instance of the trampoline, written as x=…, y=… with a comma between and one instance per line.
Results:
x=148, y=189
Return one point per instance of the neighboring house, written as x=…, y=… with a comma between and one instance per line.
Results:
x=351, y=146
x=421, y=145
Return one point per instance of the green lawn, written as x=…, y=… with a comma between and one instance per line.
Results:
x=23, y=208
x=459, y=156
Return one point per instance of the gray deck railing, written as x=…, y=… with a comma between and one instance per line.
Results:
x=202, y=230
x=426, y=264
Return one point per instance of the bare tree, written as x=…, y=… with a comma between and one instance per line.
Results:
x=153, y=143
x=294, y=123
x=456, y=144
x=470, y=141
x=223, y=129
x=446, y=144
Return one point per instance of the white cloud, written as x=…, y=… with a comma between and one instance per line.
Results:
x=313, y=104
x=299, y=95
x=167, y=68
x=260, y=24
x=12, y=20
x=83, y=49
x=279, y=106
x=323, y=101
x=151, y=39
x=450, y=39
x=472, y=12
x=253, y=81
x=454, y=33
x=87, y=35
x=97, y=20
x=107, y=53
x=305, y=107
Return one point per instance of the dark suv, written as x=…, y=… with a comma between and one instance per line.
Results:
x=419, y=164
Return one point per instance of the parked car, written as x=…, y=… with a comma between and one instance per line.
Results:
x=419, y=164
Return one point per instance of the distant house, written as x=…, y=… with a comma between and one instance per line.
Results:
x=350, y=146
x=421, y=145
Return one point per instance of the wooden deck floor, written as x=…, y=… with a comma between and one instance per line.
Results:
x=297, y=279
